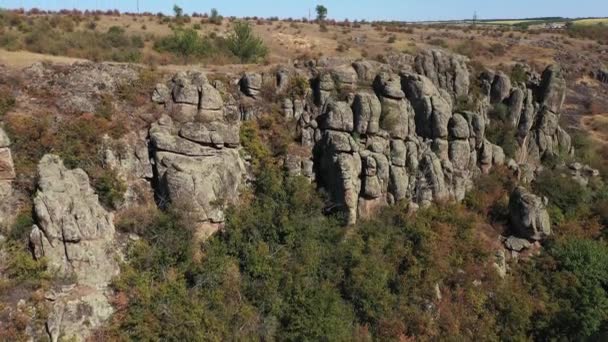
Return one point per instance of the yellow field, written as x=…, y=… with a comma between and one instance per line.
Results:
x=592, y=21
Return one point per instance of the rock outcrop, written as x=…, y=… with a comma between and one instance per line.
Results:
x=533, y=109
x=76, y=236
x=195, y=148
x=7, y=175
x=401, y=140
x=528, y=215
x=129, y=157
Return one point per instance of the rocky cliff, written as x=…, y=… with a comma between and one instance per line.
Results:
x=370, y=134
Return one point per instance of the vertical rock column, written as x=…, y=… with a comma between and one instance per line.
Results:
x=7, y=175
x=195, y=148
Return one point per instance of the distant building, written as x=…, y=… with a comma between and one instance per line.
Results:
x=555, y=26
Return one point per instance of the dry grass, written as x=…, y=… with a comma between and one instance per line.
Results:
x=21, y=59
x=597, y=126
x=592, y=21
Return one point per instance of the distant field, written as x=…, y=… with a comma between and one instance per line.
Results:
x=508, y=22
x=592, y=21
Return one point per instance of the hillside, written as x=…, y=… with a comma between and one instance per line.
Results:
x=197, y=178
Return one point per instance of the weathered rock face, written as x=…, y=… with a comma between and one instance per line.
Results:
x=76, y=236
x=251, y=84
x=533, y=109
x=8, y=205
x=447, y=71
x=528, y=213
x=129, y=158
x=381, y=133
x=401, y=142
x=7, y=170
x=195, y=150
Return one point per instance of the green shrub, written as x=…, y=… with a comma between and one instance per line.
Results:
x=245, y=44
x=21, y=228
x=571, y=198
x=215, y=17
x=10, y=41
x=518, y=74
x=110, y=188
x=574, y=277
x=185, y=43
x=298, y=86
x=22, y=270
x=250, y=139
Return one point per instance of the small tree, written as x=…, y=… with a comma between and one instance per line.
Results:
x=244, y=44
x=178, y=11
x=215, y=17
x=321, y=13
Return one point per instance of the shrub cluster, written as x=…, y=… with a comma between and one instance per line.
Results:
x=77, y=141
x=242, y=45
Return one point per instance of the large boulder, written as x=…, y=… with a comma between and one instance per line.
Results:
x=552, y=90
x=528, y=215
x=389, y=85
x=501, y=88
x=75, y=234
x=251, y=84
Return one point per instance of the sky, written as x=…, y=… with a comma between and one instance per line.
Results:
x=403, y=10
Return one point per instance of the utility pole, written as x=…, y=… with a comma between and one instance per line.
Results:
x=137, y=6
x=475, y=17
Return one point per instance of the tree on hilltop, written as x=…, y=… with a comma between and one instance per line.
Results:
x=321, y=13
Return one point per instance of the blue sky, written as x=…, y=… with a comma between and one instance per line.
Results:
x=407, y=10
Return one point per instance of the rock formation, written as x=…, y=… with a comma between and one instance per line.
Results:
x=381, y=135
x=195, y=148
x=533, y=109
x=7, y=175
x=377, y=132
x=528, y=215
x=75, y=234
x=129, y=157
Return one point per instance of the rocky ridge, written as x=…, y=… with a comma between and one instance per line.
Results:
x=373, y=134
x=381, y=133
